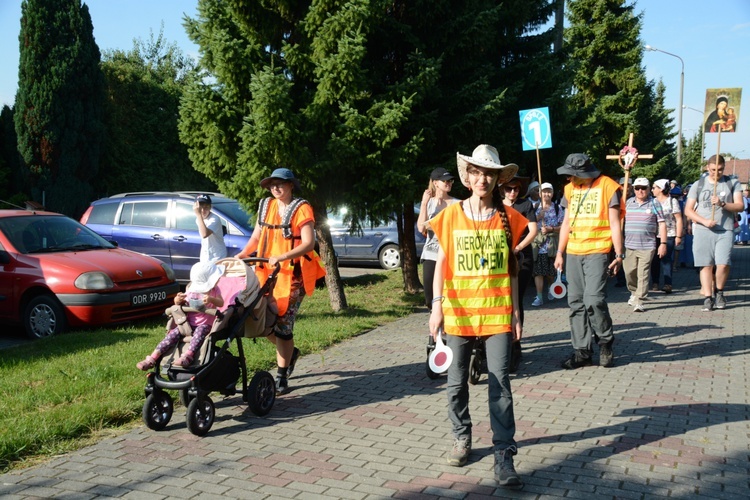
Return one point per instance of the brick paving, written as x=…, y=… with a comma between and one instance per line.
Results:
x=670, y=419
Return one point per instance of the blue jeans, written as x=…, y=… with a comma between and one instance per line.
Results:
x=502, y=420
x=587, y=299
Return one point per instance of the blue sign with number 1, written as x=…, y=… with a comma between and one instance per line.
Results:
x=535, y=129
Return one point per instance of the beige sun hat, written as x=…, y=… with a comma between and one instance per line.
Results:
x=484, y=156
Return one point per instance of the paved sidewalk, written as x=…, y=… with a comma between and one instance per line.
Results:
x=670, y=419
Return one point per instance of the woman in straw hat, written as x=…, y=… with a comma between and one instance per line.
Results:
x=476, y=295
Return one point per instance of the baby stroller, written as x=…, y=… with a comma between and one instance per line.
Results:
x=249, y=310
x=477, y=364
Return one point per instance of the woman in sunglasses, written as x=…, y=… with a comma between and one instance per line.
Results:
x=524, y=253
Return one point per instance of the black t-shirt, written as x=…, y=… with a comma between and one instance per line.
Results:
x=527, y=210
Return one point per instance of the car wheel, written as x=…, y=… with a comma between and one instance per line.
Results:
x=389, y=257
x=44, y=317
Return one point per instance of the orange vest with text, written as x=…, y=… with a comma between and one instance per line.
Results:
x=477, y=286
x=272, y=242
x=588, y=212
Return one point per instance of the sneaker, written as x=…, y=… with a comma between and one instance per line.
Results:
x=606, y=356
x=459, y=455
x=708, y=304
x=550, y=297
x=290, y=368
x=631, y=300
x=505, y=473
x=577, y=360
x=282, y=384
x=667, y=289
x=721, y=302
x=537, y=301
x=638, y=308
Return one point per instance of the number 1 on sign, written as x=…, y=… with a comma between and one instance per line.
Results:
x=536, y=127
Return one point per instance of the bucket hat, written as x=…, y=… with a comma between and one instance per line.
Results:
x=533, y=185
x=579, y=165
x=283, y=174
x=204, y=276
x=484, y=156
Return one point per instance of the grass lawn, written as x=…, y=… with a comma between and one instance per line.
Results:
x=60, y=393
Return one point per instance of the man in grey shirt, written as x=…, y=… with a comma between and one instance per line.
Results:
x=712, y=203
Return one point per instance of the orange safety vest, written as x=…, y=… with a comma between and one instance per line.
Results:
x=272, y=242
x=588, y=212
x=477, y=287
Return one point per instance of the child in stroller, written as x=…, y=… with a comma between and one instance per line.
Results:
x=200, y=294
x=249, y=310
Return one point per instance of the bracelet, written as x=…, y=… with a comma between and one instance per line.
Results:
x=439, y=298
x=663, y=243
x=560, y=252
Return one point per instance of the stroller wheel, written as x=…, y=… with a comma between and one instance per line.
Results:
x=475, y=369
x=200, y=415
x=261, y=393
x=157, y=410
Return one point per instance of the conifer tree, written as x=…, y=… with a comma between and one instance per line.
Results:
x=58, y=109
x=609, y=83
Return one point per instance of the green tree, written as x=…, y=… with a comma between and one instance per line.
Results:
x=142, y=149
x=655, y=120
x=58, y=108
x=692, y=160
x=610, y=93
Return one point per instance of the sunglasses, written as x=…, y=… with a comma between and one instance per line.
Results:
x=640, y=188
x=508, y=189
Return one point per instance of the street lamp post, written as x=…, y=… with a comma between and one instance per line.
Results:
x=679, y=112
x=702, y=130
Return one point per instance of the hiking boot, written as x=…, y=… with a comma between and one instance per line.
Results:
x=708, y=304
x=606, y=356
x=290, y=369
x=282, y=384
x=638, y=308
x=459, y=455
x=505, y=473
x=537, y=301
x=667, y=289
x=577, y=360
x=515, y=356
x=721, y=302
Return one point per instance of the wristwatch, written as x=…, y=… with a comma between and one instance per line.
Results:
x=620, y=256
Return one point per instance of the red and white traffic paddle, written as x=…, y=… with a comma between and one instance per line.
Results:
x=558, y=288
x=442, y=356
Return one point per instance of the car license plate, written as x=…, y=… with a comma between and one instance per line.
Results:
x=142, y=299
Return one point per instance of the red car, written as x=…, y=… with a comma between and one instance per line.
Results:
x=56, y=272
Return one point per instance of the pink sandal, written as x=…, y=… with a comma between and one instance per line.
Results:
x=185, y=360
x=146, y=364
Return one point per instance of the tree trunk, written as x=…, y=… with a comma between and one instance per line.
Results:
x=409, y=260
x=333, y=278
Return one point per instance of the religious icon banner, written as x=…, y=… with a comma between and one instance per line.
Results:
x=722, y=111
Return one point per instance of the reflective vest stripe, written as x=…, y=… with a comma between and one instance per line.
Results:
x=590, y=231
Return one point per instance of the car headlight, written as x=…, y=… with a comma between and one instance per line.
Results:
x=94, y=280
x=168, y=270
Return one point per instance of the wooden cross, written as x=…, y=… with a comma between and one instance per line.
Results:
x=629, y=162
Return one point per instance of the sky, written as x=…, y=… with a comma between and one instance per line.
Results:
x=711, y=38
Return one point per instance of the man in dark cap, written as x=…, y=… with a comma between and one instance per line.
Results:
x=209, y=227
x=590, y=228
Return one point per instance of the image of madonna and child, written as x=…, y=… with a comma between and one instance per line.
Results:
x=475, y=289
x=200, y=294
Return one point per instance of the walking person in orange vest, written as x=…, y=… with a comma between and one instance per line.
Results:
x=284, y=234
x=475, y=291
x=590, y=228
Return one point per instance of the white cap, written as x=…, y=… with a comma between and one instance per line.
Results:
x=547, y=185
x=641, y=181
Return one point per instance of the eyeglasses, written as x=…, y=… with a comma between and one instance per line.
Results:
x=277, y=185
x=508, y=189
x=640, y=188
x=479, y=173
